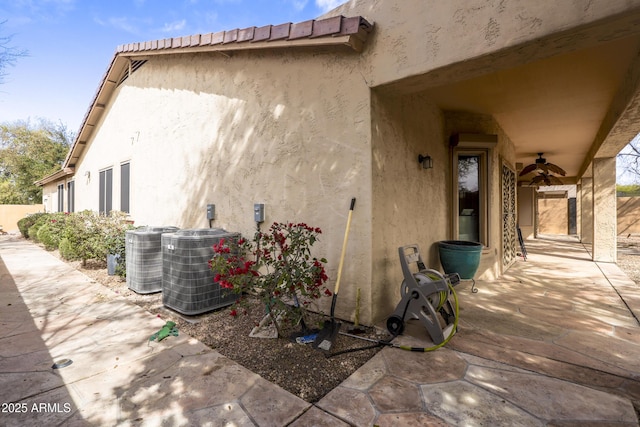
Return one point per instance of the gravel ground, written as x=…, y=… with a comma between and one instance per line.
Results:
x=629, y=256
x=297, y=368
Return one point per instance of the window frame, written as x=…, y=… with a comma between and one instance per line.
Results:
x=481, y=145
x=60, y=198
x=71, y=194
x=105, y=203
x=125, y=187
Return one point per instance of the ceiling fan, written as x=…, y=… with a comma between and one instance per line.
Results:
x=543, y=167
x=545, y=179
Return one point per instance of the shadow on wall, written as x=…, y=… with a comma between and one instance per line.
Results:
x=245, y=136
x=628, y=215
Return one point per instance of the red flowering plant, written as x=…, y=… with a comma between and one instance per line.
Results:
x=277, y=267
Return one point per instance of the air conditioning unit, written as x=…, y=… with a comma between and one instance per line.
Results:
x=187, y=280
x=143, y=251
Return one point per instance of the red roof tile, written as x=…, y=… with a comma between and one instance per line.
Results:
x=328, y=27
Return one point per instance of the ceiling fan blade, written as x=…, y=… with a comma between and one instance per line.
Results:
x=544, y=168
x=555, y=180
x=528, y=169
x=536, y=179
x=556, y=169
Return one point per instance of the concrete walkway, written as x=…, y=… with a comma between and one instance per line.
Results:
x=552, y=343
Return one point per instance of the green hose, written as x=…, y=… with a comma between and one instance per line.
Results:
x=380, y=343
x=456, y=310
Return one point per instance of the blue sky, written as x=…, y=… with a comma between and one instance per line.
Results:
x=70, y=43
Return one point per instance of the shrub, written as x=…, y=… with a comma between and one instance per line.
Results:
x=27, y=222
x=67, y=250
x=88, y=235
x=82, y=237
x=51, y=231
x=114, y=228
x=40, y=222
x=276, y=266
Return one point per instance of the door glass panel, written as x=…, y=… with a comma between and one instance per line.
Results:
x=469, y=198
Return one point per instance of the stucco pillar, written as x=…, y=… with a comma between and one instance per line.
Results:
x=579, y=208
x=604, y=209
x=586, y=210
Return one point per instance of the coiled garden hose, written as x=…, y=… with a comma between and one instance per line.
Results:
x=382, y=343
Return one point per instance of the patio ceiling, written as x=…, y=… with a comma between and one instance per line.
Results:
x=572, y=96
x=555, y=106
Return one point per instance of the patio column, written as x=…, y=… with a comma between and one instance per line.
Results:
x=586, y=210
x=604, y=209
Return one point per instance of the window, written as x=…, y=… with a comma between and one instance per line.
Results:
x=471, y=157
x=106, y=191
x=71, y=195
x=61, y=198
x=124, y=187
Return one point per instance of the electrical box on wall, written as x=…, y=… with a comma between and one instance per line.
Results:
x=258, y=212
x=211, y=212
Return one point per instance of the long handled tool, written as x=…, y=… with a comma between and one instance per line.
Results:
x=329, y=332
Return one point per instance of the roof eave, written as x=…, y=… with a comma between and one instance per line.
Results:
x=62, y=173
x=350, y=41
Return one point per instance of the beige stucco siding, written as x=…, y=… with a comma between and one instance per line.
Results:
x=290, y=130
x=410, y=204
x=418, y=36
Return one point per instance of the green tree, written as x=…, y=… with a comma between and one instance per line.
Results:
x=29, y=152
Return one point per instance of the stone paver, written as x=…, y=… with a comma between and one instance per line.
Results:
x=551, y=343
x=51, y=312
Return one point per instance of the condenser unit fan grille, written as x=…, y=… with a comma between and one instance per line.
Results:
x=187, y=281
x=143, y=250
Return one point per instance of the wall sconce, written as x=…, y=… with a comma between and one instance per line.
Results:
x=425, y=161
x=87, y=175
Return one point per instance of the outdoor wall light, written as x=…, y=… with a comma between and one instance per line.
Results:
x=425, y=161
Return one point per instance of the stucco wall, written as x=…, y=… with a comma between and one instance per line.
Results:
x=413, y=205
x=410, y=204
x=553, y=216
x=50, y=195
x=289, y=130
x=11, y=214
x=628, y=215
x=418, y=36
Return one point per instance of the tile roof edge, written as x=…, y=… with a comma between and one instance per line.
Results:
x=311, y=29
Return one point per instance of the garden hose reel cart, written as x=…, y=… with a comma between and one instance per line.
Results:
x=426, y=296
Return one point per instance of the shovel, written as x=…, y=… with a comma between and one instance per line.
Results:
x=329, y=332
